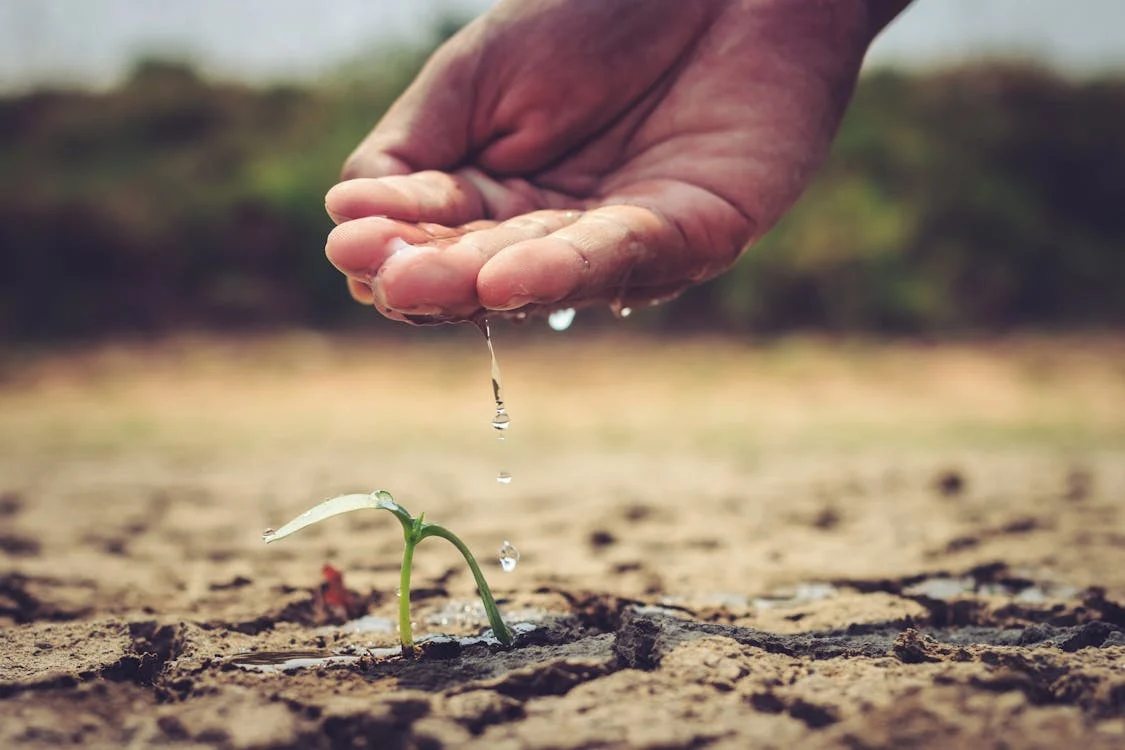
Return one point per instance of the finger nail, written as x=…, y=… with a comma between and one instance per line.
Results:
x=378, y=296
x=372, y=165
x=518, y=300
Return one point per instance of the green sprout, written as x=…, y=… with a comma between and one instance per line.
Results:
x=414, y=530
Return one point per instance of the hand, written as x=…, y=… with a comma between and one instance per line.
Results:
x=556, y=153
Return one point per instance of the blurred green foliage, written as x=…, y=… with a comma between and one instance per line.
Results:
x=978, y=199
x=983, y=198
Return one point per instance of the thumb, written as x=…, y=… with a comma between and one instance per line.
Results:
x=428, y=126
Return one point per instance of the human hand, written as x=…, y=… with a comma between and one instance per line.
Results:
x=556, y=153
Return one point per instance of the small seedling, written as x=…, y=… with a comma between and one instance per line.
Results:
x=414, y=530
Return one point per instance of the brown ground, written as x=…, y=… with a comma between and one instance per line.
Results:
x=803, y=544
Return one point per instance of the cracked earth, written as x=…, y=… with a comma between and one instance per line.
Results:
x=687, y=579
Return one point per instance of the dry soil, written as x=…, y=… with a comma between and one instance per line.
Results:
x=796, y=544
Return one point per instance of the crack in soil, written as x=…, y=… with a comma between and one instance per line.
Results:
x=153, y=645
x=481, y=688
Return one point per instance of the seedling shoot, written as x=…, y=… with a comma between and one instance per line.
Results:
x=414, y=530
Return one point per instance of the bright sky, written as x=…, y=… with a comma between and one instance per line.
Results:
x=94, y=41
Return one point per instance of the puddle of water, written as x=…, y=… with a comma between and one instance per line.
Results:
x=471, y=614
x=365, y=624
x=803, y=593
x=290, y=661
x=282, y=662
x=941, y=588
x=945, y=588
x=459, y=614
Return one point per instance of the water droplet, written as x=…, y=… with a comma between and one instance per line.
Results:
x=509, y=556
x=268, y=535
x=619, y=310
x=504, y=478
x=560, y=320
x=501, y=421
x=384, y=500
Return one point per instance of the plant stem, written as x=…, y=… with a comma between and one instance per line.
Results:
x=405, y=631
x=499, y=627
x=414, y=530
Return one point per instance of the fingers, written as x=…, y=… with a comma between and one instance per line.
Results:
x=406, y=215
x=451, y=199
x=368, y=161
x=428, y=196
x=360, y=291
x=595, y=257
x=361, y=250
x=427, y=269
x=539, y=259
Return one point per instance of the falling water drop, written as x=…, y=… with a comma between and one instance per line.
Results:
x=560, y=320
x=501, y=421
x=619, y=310
x=509, y=556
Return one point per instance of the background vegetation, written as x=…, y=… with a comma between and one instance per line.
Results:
x=983, y=198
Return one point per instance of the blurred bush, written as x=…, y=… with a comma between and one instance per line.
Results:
x=982, y=198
